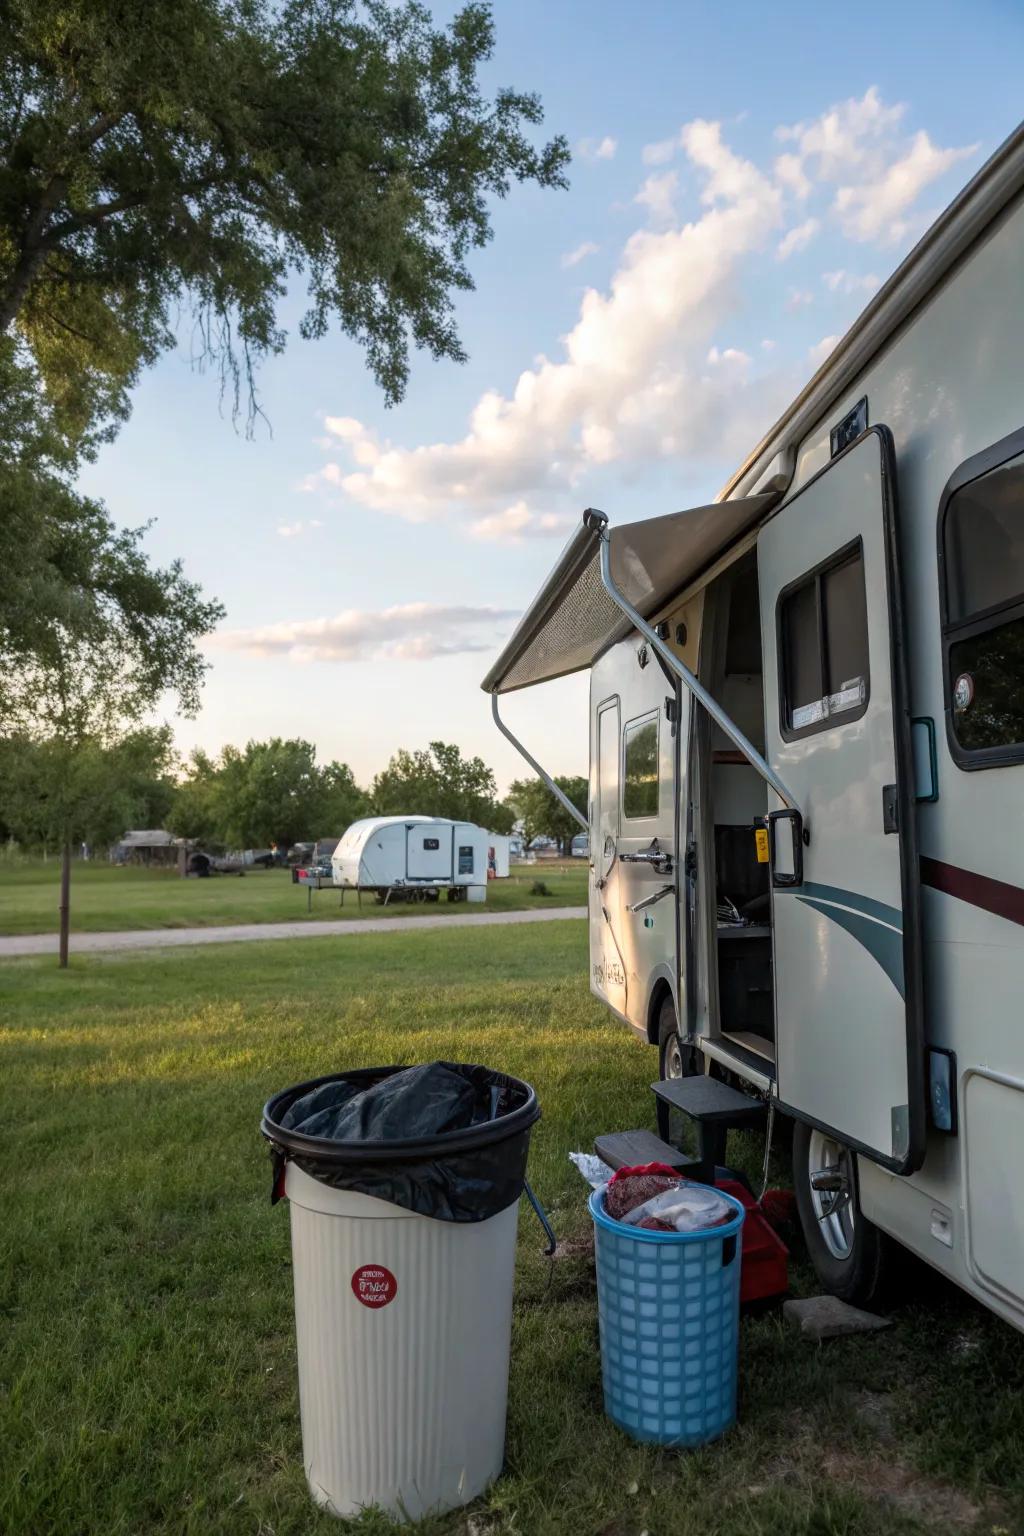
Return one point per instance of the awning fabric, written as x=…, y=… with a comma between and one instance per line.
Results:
x=572, y=620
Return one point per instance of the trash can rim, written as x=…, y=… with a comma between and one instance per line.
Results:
x=644, y=1235
x=408, y=1149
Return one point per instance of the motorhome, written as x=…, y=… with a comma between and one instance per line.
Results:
x=413, y=858
x=807, y=766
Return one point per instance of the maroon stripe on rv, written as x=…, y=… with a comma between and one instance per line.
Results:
x=980, y=890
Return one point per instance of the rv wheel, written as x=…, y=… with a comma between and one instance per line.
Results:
x=849, y=1254
x=677, y=1059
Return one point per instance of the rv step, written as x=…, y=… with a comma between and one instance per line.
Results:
x=710, y=1101
x=631, y=1149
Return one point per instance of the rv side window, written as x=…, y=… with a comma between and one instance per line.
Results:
x=823, y=649
x=466, y=859
x=982, y=535
x=640, y=769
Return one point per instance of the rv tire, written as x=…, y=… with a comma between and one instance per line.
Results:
x=675, y=1057
x=852, y=1263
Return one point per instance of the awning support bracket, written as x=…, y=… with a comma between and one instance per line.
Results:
x=598, y=521
x=545, y=778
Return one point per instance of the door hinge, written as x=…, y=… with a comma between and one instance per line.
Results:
x=890, y=809
x=690, y=860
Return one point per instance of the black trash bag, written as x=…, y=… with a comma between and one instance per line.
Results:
x=421, y=1101
x=448, y=1140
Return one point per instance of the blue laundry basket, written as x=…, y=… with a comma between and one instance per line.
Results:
x=668, y=1305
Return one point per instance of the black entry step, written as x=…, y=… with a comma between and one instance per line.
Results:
x=710, y=1101
x=630, y=1149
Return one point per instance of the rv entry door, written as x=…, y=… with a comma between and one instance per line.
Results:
x=846, y=935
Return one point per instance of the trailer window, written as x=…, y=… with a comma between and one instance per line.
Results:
x=466, y=859
x=982, y=548
x=823, y=646
x=640, y=770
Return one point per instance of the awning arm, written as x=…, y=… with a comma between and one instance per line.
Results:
x=545, y=778
x=684, y=674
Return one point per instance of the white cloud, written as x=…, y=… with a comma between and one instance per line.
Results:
x=767, y=345
x=875, y=211
x=597, y=149
x=633, y=383
x=660, y=153
x=790, y=172
x=573, y=258
x=842, y=281
x=514, y=523
x=407, y=632
x=858, y=147
x=643, y=373
x=817, y=354
x=797, y=239
x=293, y=530
x=658, y=196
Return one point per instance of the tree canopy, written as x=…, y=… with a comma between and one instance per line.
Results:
x=541, y=814
x=198, y=156
x=50, y=795
x=440, y=782
x=266, y=792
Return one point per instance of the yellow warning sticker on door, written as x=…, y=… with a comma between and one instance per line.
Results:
x=761, y=842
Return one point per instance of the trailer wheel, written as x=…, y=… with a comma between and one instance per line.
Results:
x=852, y=1258
x=676, y=1058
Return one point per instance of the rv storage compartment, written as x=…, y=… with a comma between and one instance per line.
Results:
x=668, y=1307
x=403, y=1186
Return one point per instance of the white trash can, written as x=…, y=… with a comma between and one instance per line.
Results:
x=403, y=1319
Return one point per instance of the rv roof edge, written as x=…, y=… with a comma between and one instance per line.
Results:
x=998, y=181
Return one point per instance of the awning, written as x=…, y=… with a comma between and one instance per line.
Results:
x=572, y=620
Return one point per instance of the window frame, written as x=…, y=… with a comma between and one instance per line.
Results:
x=995, y=456
x=649, y=717
x=815, y=573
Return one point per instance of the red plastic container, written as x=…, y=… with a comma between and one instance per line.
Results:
x=764, y=1272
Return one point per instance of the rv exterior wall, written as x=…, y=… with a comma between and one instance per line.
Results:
x=948, y=386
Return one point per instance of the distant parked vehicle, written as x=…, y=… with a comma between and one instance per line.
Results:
x=579, y=848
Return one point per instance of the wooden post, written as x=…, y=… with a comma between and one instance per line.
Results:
x=65, y=900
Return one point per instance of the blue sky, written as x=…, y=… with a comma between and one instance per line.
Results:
x=743, y=177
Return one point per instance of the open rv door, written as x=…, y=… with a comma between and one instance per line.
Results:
x=846, y=933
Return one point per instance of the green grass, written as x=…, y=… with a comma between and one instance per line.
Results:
x=147, y=1379
x=105, y=899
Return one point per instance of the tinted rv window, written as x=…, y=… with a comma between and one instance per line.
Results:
x=983, y=560
x=823, y=649
x=640, y=778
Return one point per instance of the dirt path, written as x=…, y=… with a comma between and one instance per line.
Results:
x=243, y=933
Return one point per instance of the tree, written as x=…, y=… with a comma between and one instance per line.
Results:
x=91, y=795
x=94, y=656
x=202, y=154
x=542, y=814
x=266, y=792
x=440, y=782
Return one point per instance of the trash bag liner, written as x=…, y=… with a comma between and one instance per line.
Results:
x=447, y=1140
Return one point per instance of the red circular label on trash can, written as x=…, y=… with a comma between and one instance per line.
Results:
x=374, y=1285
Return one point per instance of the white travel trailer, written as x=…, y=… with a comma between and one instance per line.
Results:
x=807, y=767
x=413, y=858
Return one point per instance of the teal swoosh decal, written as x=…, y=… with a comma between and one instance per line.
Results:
x=866, y=904
x=882, y=943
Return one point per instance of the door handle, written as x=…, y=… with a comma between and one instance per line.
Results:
x=782, y=881
x=650, y=901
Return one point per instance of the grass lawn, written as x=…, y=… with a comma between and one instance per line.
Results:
x=147, y=1375
x=105, y=899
